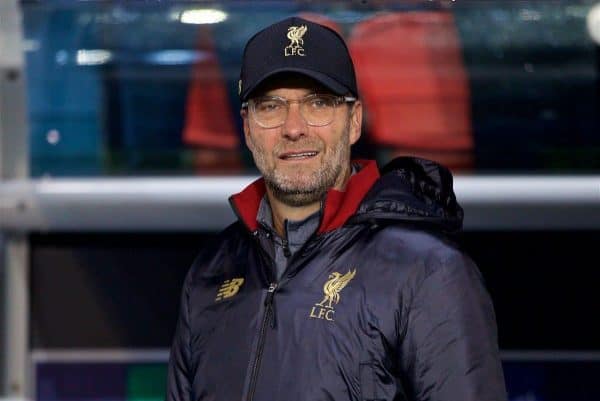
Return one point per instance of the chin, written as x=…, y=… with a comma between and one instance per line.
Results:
x=297, y=185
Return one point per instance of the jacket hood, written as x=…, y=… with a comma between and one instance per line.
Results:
x=407, y=189
x=413, y=190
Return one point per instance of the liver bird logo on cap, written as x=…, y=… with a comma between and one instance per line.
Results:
x=295, y=34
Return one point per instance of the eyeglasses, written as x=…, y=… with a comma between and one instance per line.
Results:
x=316, y=109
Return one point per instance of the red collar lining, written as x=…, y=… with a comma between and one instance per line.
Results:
x=339, y=205
x=247, y=202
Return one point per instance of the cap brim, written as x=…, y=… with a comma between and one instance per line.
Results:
x=323, y=79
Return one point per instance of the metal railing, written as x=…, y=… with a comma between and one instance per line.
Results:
x=200, y=204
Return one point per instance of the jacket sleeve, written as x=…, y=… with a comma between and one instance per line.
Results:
x=449, y=347
x=179, y=379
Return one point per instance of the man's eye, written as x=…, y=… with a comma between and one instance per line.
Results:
x=319, y=103
x=268, y=106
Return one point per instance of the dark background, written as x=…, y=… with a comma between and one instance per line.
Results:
x=116, y=290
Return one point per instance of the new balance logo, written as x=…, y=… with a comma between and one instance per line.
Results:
x=229, y=288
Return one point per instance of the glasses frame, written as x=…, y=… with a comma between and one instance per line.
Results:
x=250, y=106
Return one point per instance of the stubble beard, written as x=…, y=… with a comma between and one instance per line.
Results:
x=298, y=188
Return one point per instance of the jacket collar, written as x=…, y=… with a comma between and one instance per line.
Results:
x=339, y=206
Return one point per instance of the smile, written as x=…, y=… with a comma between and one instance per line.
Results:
x=298, y=155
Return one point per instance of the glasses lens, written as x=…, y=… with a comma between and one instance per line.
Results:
x=318, y=109
x=269, y=112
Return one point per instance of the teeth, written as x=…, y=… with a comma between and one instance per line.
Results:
x=305, y=154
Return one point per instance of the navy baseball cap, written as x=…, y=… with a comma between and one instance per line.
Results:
x=300, y=46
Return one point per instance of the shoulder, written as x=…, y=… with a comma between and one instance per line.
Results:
x=403, y=239
x=417, y=255
x=439, y=273
x=221, y=255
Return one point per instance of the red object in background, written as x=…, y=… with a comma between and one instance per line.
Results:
x=323, y=20
x=209, y=119
x=414, y=85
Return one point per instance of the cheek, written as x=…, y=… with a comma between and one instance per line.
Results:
x=332, y=138
x=250, y=143
x=252, y=137
x=261, y=144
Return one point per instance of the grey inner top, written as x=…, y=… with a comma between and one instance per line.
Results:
x=296, y=233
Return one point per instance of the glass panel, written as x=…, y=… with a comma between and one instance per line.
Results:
x=97, y=381
x=118, y=88
x=130, y=381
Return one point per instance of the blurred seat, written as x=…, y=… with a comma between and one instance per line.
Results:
x=209, y=119
x=414, y=86
x=323, y=20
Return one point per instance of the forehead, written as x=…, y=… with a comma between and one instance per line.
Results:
x=289, y=81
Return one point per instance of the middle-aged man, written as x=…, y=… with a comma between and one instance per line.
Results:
x=338, y=281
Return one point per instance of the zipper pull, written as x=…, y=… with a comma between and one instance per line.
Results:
x=270, y=304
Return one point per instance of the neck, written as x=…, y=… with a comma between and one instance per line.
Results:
x=282, y=211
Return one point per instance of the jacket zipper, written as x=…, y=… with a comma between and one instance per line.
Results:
x=286, y=248
x=269, y=317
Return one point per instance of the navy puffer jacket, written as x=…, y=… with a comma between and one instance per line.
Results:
x=377, y=305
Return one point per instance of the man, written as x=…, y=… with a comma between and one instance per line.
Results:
x=337, y=281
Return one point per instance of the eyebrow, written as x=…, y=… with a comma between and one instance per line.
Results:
x=283, y=97
x=310, y=91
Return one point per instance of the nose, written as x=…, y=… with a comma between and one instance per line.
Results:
x=294, y=127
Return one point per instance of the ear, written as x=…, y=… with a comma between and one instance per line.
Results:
x=246, y=127
x=355, y=121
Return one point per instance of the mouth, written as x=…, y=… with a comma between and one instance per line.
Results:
x=299, y=155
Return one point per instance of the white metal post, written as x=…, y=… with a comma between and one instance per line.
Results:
x=16, y=315
x=14, y=164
